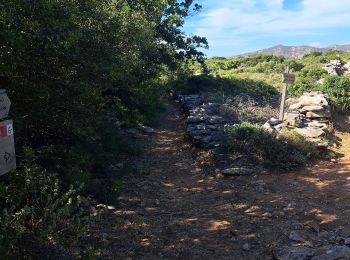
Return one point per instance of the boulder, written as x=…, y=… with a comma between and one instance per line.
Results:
x=316, y=100
x=293, y=253
x=310, y=132
x=321, y=114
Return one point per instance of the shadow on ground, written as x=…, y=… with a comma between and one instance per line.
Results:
x=183, y=210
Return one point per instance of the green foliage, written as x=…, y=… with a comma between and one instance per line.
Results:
x=286, y=151
x=35, y=209
x=89, y=253
x=338, y=90
x=225, y=87
x=76, y=70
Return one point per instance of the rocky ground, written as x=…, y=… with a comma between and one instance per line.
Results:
x=177, y=206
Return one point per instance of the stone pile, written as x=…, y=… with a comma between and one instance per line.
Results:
x=204, y=125
x=335, y=67
x=308, y=115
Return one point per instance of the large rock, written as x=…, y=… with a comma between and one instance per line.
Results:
x=313, y=100
x=293, y=253
x=321, y=114
x=295, y=107
x=310, y=132
x=312, y=109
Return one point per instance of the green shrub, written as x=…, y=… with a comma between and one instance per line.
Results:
x=338, y=90
x=35, y=210
x=285, y=151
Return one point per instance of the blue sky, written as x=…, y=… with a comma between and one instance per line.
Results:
x=239, y=26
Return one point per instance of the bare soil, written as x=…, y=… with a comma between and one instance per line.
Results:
x=175, y=206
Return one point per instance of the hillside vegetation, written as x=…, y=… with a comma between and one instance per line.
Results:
x=260, y=75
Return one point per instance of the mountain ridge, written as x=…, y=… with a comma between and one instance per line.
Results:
x=298, y=51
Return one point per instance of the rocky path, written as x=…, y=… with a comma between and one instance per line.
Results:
x=176, y=207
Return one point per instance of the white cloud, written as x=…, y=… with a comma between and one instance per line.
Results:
x=260, y=17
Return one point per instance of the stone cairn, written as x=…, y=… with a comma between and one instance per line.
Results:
x=204, y=125
x=309, y=115
x=335, y=67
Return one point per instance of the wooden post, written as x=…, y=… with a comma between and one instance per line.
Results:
x=287, y=79
x=283, y=101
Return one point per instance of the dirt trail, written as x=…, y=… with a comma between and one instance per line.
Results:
x=179, y=209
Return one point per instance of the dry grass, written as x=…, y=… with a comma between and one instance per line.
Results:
x=245, y=108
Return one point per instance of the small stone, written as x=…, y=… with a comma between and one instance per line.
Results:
x=147, y=130
x=268, y=127
x=157, y=202
x=237, y=171
x=216, y=120
x=295, y=236
x=293, y=253
x=274, y=121
x=133, y=131
x=347, y=241
x=195, y=119
x=119, y=165
x=246, y=247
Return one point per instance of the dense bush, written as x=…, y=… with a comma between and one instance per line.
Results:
x=35, y=210
x=285, y=151
x=74, y=71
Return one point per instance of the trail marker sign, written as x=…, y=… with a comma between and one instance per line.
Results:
x=288, y=78
x=5, y=104
x=7, y=142
x=7, y=147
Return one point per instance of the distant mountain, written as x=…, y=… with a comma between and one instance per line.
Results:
x=298, y=51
